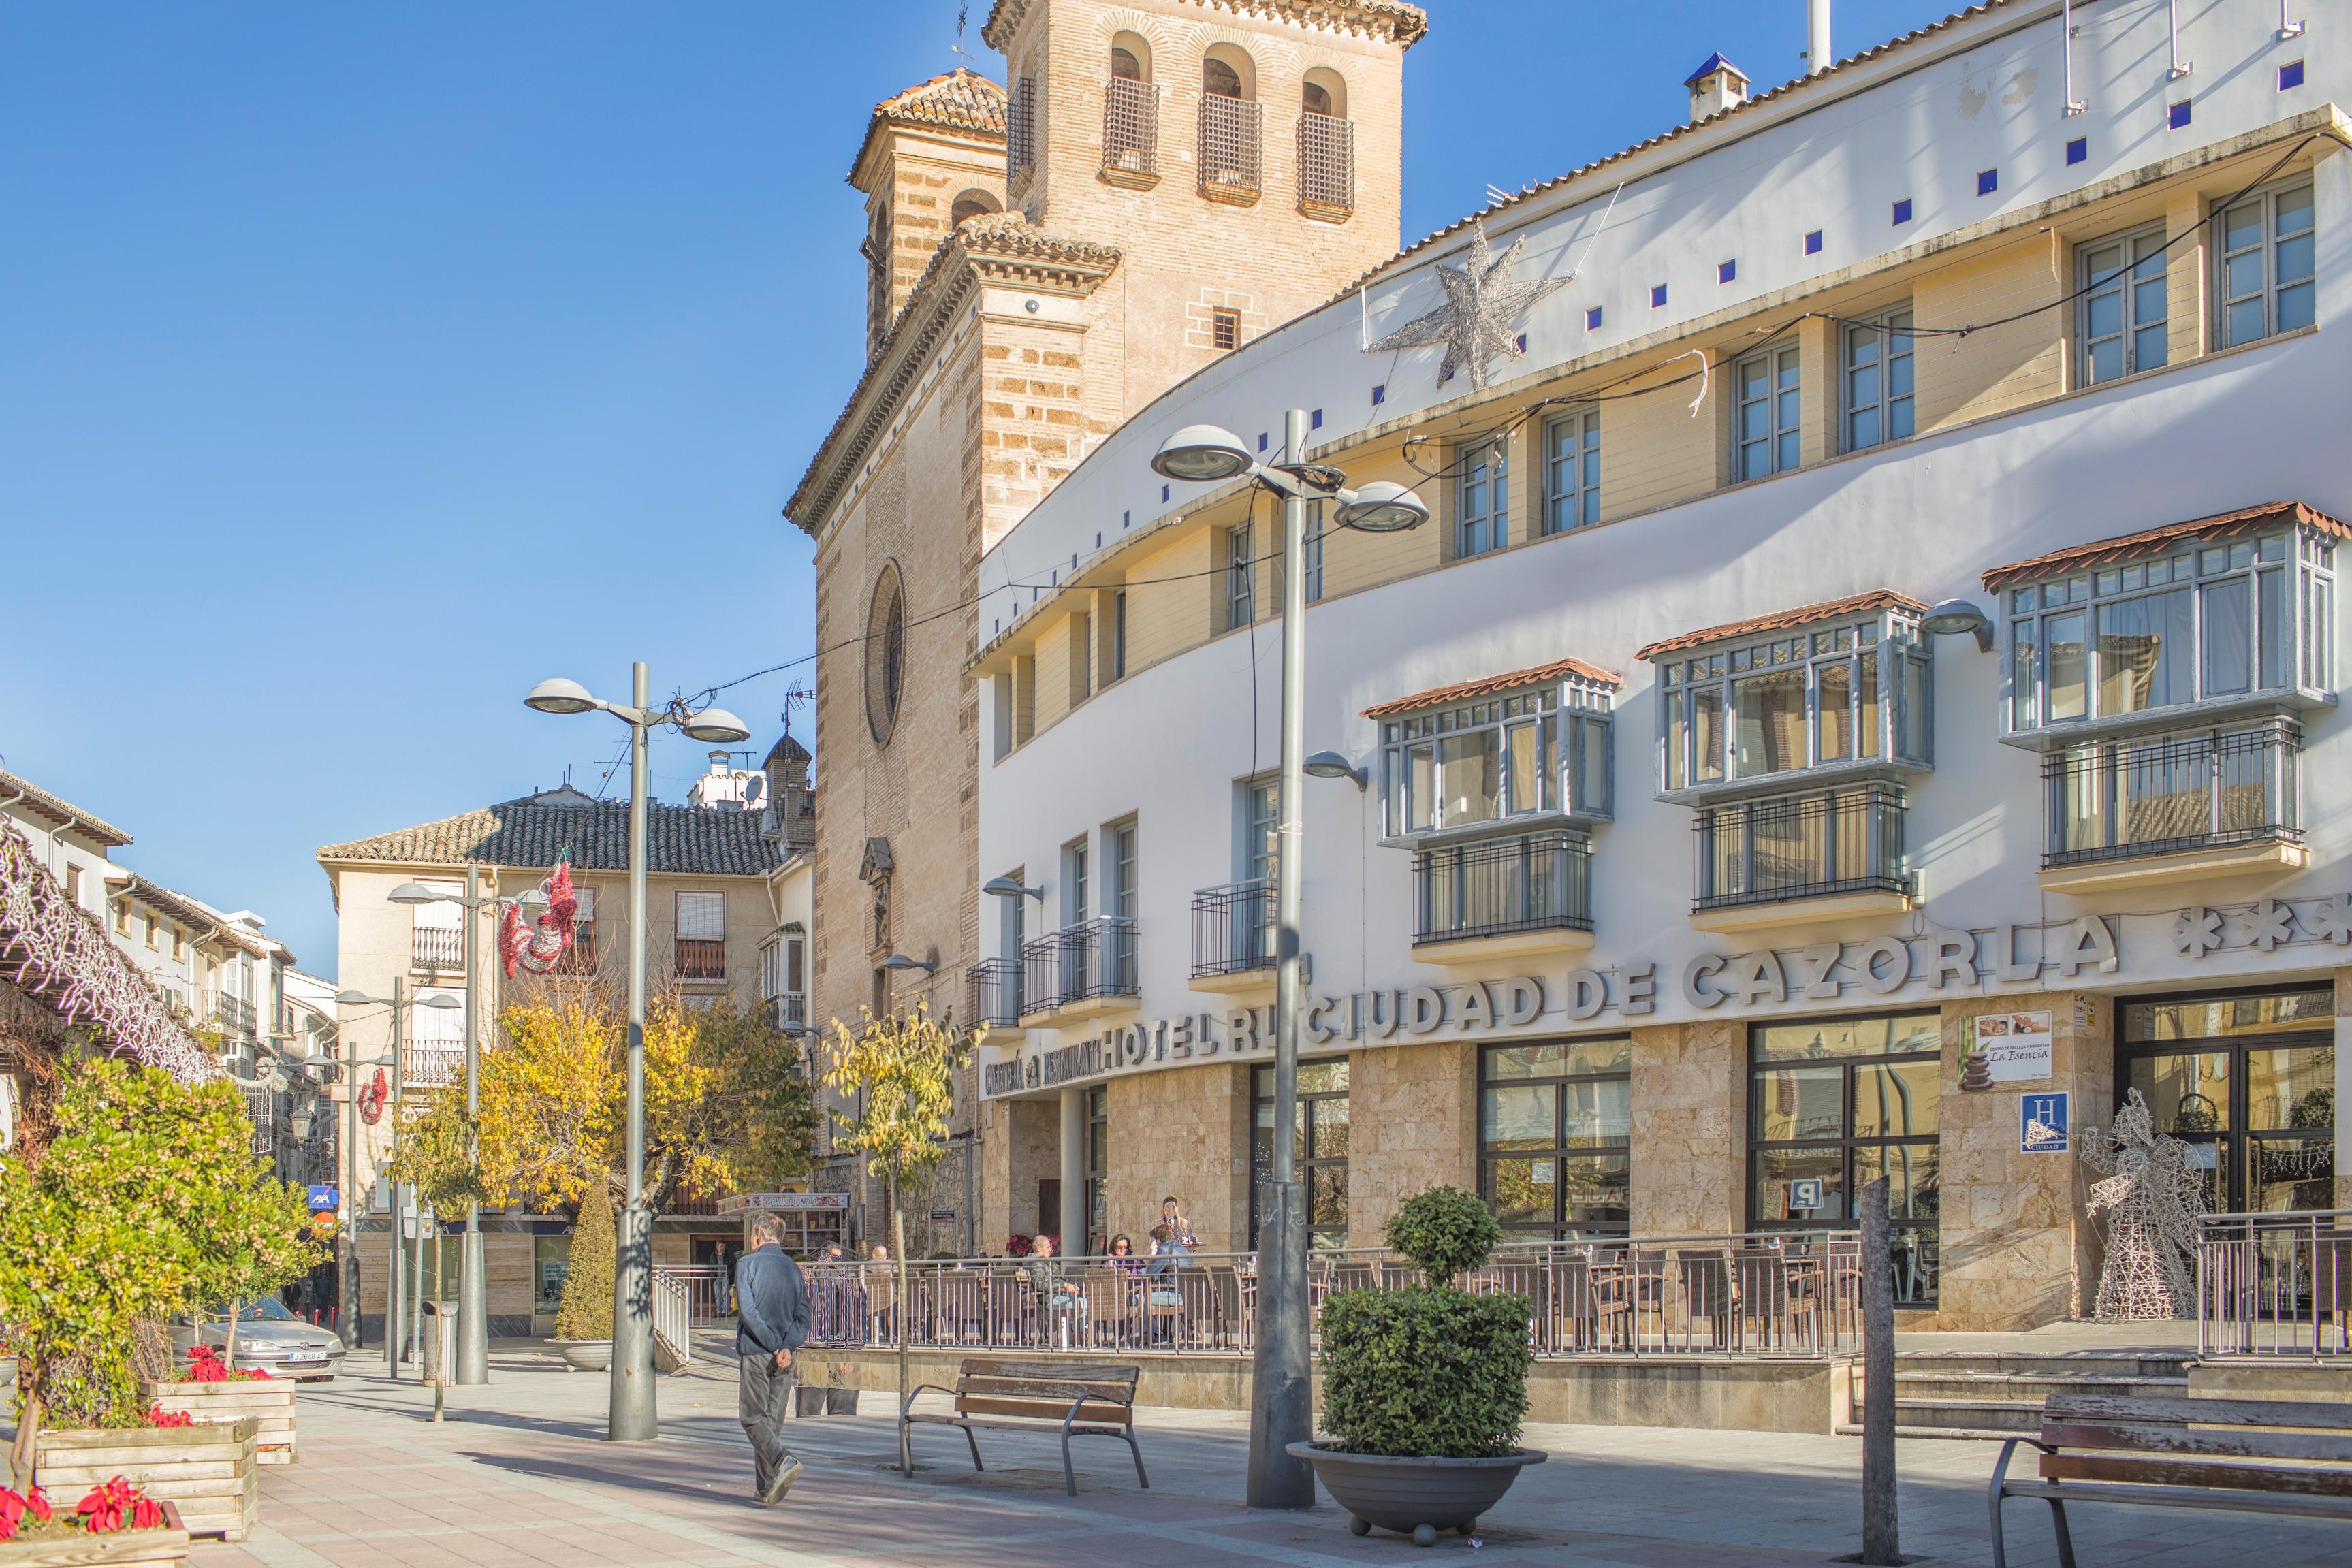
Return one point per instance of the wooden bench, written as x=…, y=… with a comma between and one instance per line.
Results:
x=1076, y=1398
x=2251, y=1456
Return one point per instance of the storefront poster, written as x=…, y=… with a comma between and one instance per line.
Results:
x=2006, y=1048
x=2042, y=1125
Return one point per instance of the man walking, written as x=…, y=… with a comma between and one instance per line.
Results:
x=771, y=1321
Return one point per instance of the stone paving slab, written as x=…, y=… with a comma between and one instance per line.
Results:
x=519, y=1477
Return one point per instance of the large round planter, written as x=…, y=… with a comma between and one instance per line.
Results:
x=1415, y=1497
x=586, y=1354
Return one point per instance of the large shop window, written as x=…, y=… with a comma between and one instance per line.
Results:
x=1540, y=752
x=1835, y=1105
x=1555, y=1131
x=2186, y=623
x=1098, y=1171
x=2247, y=1081
x=1848, y=693
x=1318, y=1144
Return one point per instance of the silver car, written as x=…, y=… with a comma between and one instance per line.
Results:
x=268, y=1338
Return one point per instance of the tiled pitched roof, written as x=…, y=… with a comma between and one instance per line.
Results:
x=202, y=920
x=681, y=840
x=1470, y=691
x=1877, y=599
x=1389, y=19
x=61, y=812
x=2125, y=547
x=956, y=102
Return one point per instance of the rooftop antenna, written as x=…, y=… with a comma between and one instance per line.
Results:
x=799, y=696
x=1496, y=195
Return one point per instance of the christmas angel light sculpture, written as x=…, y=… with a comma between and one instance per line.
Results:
x=2151, y=1198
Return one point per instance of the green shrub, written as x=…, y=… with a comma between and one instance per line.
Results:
x=1445, y=1232
x=585, y=1311
x=1425, y=1371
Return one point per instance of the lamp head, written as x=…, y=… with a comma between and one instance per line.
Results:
x=441, y=999
x=1331, y=765
x=559, y=695
x=1201, y=454
x=1958, y=618
x=354, y=1000
x=1005, y=887
x=718, y=726
x=415, y=892
x=900, y=961
x=1381, y=508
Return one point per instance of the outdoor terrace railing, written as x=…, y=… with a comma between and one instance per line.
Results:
x=2274, y=1284
x=1779, y=1295
x=1232, y=928
x=701, y=1286
x=2125, y=798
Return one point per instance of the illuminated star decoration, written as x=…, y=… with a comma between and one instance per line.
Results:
x=1481, y=303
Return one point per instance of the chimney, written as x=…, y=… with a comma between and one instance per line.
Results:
x=1715, y=86
x=1819, y=56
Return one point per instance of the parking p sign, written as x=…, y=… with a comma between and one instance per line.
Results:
x=2042, y=1125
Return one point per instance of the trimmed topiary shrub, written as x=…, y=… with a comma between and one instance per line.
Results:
x=585, y=1312
x=1428, y=1371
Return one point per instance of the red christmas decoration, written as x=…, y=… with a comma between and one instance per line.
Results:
x=372, y=1098
x=540, y=947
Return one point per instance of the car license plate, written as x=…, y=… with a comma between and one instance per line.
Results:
x=306, y=1355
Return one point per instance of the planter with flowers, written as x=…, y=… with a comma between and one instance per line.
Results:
x=211, y=1393
x=115, y=1524
x=206, y=1469
x=1424, y=1387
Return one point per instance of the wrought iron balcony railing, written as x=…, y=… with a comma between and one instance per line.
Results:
x=1131, y=128
x=436, y=948
x=2126, y=798
x=1230, y=160
x=1232, y=928
x=1801, y=846
x=234, y=1014
x=1499, y=887
x=1077, y=964
x=699, y=959
x=991, y=990
x=1326, y=162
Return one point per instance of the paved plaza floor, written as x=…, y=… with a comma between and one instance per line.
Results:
x=517, y=1477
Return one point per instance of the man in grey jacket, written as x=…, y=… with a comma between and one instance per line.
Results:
x=772, y=1322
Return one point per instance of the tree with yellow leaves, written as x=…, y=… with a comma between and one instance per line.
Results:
x=898, y=1075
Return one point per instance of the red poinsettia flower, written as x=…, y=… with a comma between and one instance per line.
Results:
x=205, y=1365
x=159, y=1417
x=118, y=1505
x=18, y=1507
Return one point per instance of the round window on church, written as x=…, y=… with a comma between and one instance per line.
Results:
x=886, y=654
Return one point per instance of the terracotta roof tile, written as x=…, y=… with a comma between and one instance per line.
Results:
x=1490, y=685
x=2127, y=546
x=1877, y=599
x=958, y=101
x=682, y=839
x=61, y=811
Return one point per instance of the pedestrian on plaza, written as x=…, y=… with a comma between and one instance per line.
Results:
x=774, y=1322
x=879, y=1295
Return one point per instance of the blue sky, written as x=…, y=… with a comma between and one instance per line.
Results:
x=359, y=366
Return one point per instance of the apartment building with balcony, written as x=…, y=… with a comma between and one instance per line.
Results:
x=717, y=915
x=1870, y=679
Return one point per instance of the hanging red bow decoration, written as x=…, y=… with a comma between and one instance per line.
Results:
x=540, y=947
x=372, y=1098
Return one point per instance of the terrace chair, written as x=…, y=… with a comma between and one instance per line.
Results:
x=1771, y=1302
x=1704, y=1275
x=1647, y=1268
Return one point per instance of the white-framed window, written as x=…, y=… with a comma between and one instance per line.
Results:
x=1313, y=545
x=1770, y=402
x=1118, y=855
x=1540, y=752
x=1260, y=810
x=73, y=883
x=702, y=916
x=2120, y=318
x=1482, y=500
x=2187, y=623
x=2266, y=244
x=1240, y=581
x=1877, y=375
x=1075, y=888
x=1854, y=690
x=1572, y=471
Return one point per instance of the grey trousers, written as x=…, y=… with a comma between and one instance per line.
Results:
x=766, y=1393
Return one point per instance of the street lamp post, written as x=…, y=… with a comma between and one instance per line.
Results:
x=1281, y=1401
x=393, y=1302
x=631, y=1416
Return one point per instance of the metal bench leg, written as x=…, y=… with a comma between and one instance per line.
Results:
x=1993, y=1494
x=1140, y=1478
x=1070, y=1477
x=907, y=1446
x=975, y=1450
x=2065, y=1541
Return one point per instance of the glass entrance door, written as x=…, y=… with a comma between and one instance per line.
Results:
x=2248, y=1081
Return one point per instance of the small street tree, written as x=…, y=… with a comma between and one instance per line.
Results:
x=898, y=1074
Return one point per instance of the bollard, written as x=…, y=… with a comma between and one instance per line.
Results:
x=1881, y=1540
x=436, y=1328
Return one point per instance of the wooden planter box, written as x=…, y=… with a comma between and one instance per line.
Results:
x=269, y=1401
x=207, y=1471
x=123, y=1549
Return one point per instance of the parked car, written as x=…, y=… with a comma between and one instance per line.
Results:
x=268, y=1337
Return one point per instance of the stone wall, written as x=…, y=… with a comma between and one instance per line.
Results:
x=1019, y=1143
x=1690, y=1129
x=1183, y=1131
x=1413, y=1112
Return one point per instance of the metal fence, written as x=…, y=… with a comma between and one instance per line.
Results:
x=1130, y=127
x=1229, y=142
x=701, y=1286
x=2274, y=1284
x=1536, y=881
x=1079, y=963
x=1327, y=161
x=991, y=990
x=1797, y=846
x=1778, y=1295
x=436, y=948
x=1233, y=927
x=2126, y=798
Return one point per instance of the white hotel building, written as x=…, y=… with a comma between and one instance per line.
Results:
x=1703, y=873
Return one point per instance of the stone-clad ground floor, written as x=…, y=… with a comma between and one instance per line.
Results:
x=1723, y=1126
x=519, y=1477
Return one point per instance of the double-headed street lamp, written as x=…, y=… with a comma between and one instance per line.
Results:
x=1281, y=1403
x=631, y=1416
x=398, y=1003
x=473, y=1357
